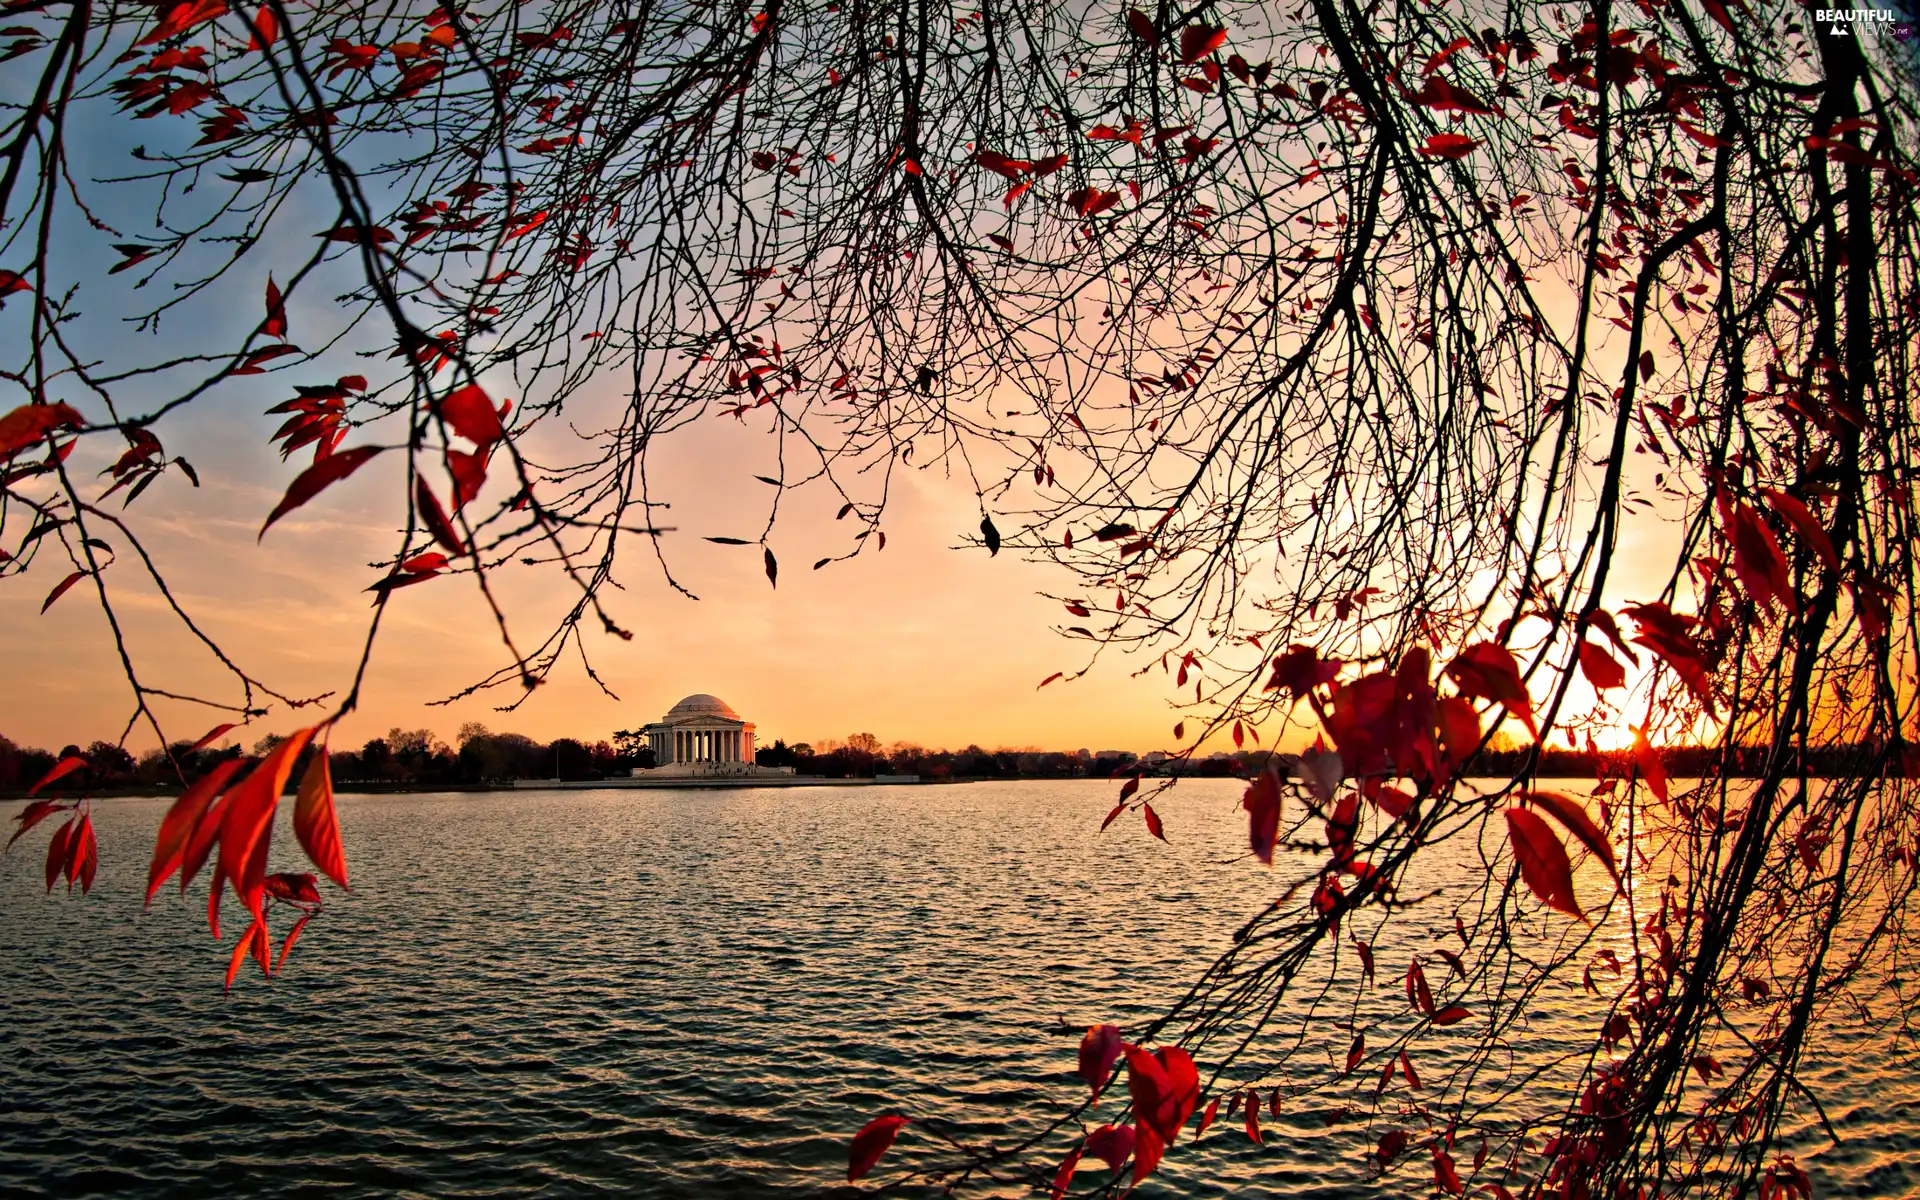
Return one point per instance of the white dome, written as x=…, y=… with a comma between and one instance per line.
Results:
x=701, y=705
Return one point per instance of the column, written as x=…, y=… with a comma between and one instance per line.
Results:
x=734, y=738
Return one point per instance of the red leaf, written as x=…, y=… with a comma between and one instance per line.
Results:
x=60, y=589
x=61, y=770
x=1571, y=814
x=1366, y=958
x=33, y=814
x=435, y=518
x=1449, y=145
x=1198, y=41
x=208, y=737
x=58, y=847
x=1099, y=1050
x=374, y=236
x=1488, y=670
x=1392, y=1144
x=247, y=820
x=870, y=1143
x=314, y=822
x=1117, y=810
x=1356, y=1052
x=266, y=29
x=1444, y=1176
x=1602, y=670
x=254, y=941
x=1111, y=1144
x=1165, y=1088
x=1647, y=759
x=293, y=935
x=178, y=826
x=317, y=478
x=1459, y=727
x=1542, y=860
x=275, y=326
x=1451, y=1014
x=1253, y=1116
x=1757, y=559
x=1418, y=993
x=1206, y=1118
x=472, y=416
x=1262, y=802
x=293, y=887
x=1153, y=821
x=536, y=221
x=1805, y=524
x=1141, y=26
x=84, y=857
x=1148, y=1150
x=29, y=423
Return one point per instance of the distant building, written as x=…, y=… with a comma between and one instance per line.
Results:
x=702, y=736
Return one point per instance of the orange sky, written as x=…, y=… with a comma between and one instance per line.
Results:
x=922, y=642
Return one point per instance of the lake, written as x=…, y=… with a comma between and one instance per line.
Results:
x=660, y=993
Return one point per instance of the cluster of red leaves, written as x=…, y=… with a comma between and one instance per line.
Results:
x=227, y=815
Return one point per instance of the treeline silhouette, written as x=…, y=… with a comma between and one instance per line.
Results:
x=418, y=758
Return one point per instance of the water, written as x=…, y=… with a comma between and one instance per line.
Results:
x=654, y=993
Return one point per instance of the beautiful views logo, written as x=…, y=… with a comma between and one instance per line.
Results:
x=1839, y=20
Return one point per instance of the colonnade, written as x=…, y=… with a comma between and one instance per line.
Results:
x=707, y=745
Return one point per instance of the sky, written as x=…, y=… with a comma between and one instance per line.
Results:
x=928, y=641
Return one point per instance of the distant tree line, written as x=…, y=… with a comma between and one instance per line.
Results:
x=414, y=758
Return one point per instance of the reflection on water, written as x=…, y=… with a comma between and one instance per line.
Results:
x=666, y=993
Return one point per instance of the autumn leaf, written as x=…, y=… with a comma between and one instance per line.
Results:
x=83, y=857
x=315, y=823
x=1488, y=670
x=1449, y=145
x=35, y=813
x=1141, y=26
x=771, y=565
x=60, y=589
x=1808, y=526
x=293, y=935
x=1099, y=1050
x=471, y=414
x=30, y=423
x=1262, y=802
x=207, y=737
x=434, y=517
x=317, y=478
x=1198, y=41
x=1542, y=860
x=1419, y=994
x=1647, y=759
x=990, y=535
x=58, y=847
x=1570, y=813
x=1165, y=1089
x=182, y=819
x=1111, y=1144
x=1602, y=670
x=870, y=1143
x=1206, y=1118
x=1450, y=1015
x=247, y=821
x=275, y=326
x=61, y=769
x=1153, y=821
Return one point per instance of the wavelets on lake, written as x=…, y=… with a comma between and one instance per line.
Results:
x=664, y=994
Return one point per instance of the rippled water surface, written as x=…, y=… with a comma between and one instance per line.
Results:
x=663, y=994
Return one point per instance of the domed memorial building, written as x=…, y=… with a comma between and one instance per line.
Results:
x=702, y=736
